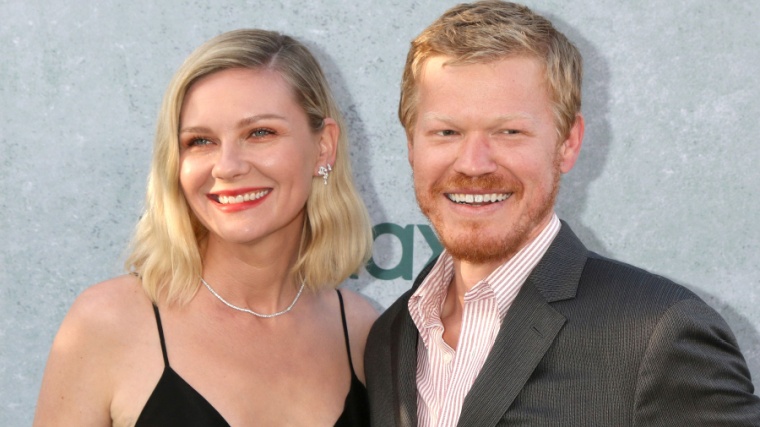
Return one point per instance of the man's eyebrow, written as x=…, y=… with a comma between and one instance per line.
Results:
x=437, y=116
x=498, y=119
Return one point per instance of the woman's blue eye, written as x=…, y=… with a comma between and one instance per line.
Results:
x=199, y=141
x=260, y=133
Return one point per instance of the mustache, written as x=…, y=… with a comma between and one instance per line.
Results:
x=484, y=182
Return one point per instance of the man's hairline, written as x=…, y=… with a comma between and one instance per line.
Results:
x=420, y=66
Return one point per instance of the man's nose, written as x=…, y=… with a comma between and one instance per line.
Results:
x=475, y=157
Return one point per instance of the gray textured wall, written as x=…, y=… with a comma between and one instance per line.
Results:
x=667, y=178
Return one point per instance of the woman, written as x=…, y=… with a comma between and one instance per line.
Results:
x=229, y=316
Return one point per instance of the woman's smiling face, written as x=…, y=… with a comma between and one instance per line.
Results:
x=247, y=155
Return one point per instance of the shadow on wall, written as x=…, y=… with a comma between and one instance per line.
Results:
x=743, y=329
x=358, y=141
x=573, y=193
x=572, y=198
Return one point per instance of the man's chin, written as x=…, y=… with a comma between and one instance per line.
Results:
x=477, y=249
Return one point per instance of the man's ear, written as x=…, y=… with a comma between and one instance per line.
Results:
x=571, y=146
x=328, y=143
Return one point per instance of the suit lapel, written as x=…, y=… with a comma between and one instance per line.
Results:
x=404, y=368
x=404, y=337
x=527, y=332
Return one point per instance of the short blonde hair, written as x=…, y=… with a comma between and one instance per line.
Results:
x=490, y=30
x=168, y=239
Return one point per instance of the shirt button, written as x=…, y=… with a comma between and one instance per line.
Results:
x=447, y=358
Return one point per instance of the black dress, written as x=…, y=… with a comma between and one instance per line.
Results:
x=175, y=403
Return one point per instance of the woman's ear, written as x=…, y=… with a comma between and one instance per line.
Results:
x=328, y=143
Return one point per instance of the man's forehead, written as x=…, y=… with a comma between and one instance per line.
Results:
x=446, y=62
x=441, y=65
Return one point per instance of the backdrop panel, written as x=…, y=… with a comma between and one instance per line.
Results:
x=667, y=180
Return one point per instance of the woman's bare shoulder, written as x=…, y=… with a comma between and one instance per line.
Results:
x=360, y=313
x=95, y=337
x=109, y=305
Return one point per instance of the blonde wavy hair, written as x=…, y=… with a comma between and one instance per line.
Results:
x=491, y=30
x=168, y=239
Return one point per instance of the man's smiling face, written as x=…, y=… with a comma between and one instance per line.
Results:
x=486, y=156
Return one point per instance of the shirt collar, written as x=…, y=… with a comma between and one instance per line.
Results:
x=506, y=280
x=509, y=277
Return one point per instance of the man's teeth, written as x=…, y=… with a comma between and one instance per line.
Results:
x=226, y=200
x=478, y=198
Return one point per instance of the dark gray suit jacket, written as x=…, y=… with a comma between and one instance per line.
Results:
x=587, y=342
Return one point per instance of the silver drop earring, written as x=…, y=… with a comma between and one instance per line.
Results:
x=324, y=172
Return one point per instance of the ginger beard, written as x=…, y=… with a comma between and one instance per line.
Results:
x=467, y=241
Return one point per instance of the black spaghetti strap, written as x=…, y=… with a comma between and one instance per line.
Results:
x=345, y=331
x=161, y=335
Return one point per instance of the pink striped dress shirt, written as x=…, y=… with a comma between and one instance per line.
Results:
x=445, y=375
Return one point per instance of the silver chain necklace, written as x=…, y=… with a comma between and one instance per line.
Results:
x=245, y=310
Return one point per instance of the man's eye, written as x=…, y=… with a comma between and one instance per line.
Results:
x=446, y=132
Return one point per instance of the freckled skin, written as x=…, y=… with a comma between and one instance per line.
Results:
x=483, y=129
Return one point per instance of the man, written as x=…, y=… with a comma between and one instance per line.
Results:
x=517, y=323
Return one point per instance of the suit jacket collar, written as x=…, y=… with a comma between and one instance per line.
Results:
x=527, y=331
x=404, y=337
x=526, y=334
x=404, y=368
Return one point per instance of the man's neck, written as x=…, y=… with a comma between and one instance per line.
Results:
x=467, y=274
